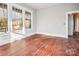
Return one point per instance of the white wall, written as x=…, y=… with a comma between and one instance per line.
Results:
x=52, y=20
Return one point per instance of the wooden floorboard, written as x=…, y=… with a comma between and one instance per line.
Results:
x=41, y=45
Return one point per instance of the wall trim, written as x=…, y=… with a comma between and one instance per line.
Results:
x=57, y=35
x=15, y=39
x=23, y=36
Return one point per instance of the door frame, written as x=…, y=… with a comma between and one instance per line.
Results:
x=75, y=11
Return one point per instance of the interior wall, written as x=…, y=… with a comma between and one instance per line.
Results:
x=52, y=20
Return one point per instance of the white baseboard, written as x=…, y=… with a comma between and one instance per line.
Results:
x=57, y=35
x=26, y=35
x=4, y=39
x=19, y=37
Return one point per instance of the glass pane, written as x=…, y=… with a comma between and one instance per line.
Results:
x=3, y=18
x=27, y=20
x=17, y=22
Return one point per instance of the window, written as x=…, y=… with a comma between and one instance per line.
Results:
x=19, y=19
x=27, y=20
x=17, y=22
x=3, y=18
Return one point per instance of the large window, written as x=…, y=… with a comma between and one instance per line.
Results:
x=3, y=18
x=27, y=20
x=17, y=21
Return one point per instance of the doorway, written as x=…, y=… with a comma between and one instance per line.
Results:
x=73, y=24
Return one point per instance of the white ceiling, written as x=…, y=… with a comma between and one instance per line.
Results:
x=40, y=5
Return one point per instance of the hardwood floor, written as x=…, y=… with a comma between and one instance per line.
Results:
x=41, y=45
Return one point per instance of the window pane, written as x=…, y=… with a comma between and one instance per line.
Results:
x=3, y=18
x=27, y=20
x=17, y=22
